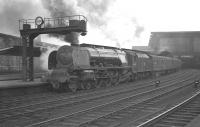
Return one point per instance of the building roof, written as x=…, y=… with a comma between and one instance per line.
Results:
x=9, y=36
x=176, y=33
x=176, y=42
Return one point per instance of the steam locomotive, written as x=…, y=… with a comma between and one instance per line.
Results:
x=88, y=66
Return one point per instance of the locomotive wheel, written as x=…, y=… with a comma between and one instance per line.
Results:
x=108, y=82
x=93, y=83
x=114, y=81
x=56, y=85
x=97, y=85
x=72, y=87
x=132, y=77
x=87, y=85
x=136, y=77
x=102, y=83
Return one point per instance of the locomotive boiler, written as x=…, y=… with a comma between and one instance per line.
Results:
x=88, y=66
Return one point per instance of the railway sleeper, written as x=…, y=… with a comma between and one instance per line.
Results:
x=172, y=123
x=190, y=109
x=188, y=112
x=179, y=119
x=181, y=116
x=185, y=113
x=194, y=106
x=66, y=124
x=164, y=125
x=105, y=124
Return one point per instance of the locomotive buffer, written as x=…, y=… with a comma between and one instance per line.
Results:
x=31, y=28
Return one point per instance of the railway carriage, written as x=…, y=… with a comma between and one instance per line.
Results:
x=164, y=65
x=158, y=65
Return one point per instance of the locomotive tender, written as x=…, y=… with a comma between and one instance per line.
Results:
x=88, y=66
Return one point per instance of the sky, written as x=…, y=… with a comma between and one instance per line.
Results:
x=121, y=23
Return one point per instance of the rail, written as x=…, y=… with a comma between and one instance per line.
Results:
x=53, y=22
x=164, y=114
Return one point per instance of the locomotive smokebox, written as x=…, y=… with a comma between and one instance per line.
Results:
x=64, y=55
x=74, y=44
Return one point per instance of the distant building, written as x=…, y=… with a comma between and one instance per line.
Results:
x=183, y=44
x=14, y=63
x=179, y=43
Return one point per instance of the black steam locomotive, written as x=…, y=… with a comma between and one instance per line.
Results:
x=88, y=66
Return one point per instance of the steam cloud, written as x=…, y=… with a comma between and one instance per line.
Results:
x=139, y=29
x=62, y=8
x=97, y=12
x=13, y=10
x=58, y=8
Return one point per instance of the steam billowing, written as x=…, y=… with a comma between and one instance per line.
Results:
x=93, y=9
x=105, y=22
x=106, y=26
x=59, y=8
x=139, y=29
x=72, y=37
x=13, y=10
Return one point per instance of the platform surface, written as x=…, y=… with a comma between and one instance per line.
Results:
x=20, y=83
x=17, y=76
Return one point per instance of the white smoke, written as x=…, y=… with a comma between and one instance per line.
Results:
x=13, y=10
x=106, y=26
x=110, y=24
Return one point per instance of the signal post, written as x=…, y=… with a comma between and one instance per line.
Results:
x=31, y=28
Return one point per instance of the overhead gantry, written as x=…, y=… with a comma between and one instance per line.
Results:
x=31, y=28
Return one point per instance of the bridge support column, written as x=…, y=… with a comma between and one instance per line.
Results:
x=27, y=58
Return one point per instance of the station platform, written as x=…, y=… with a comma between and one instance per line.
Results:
x=5, y=84
x=11, y=88
x=17, y=76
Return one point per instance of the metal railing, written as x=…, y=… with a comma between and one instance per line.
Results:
x=54, y=22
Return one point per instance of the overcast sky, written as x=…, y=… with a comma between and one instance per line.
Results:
x=116, y=22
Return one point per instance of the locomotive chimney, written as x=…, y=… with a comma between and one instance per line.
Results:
x=74, y=44
x=72, y=38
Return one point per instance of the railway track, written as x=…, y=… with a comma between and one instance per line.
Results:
x=178, y=116
x=9, y=102
x=114, y=112
x=74, y=99
x=70, y=101
x=33, y=117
